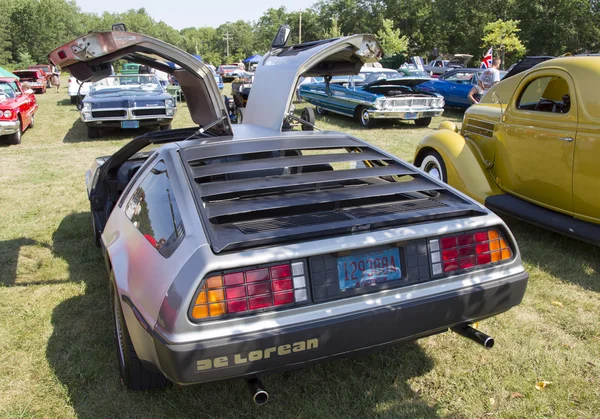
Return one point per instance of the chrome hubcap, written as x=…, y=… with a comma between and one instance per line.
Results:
x=365, y=117
x=434, y=171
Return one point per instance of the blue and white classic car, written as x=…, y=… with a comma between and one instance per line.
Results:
x=127, y=101
x=374, y=93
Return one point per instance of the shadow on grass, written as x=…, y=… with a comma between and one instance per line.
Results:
x=78, y=133
x=82, y=354
x=567, y=259
x=66, y=102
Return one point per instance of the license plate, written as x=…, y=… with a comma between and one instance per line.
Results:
x=365, y=269
x=130, y=124
x=410, y=115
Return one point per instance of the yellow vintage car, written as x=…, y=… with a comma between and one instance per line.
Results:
x=530, y=148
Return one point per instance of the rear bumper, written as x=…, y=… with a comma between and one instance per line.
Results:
x=380, y=114
x=8, y=127
x=247, y=355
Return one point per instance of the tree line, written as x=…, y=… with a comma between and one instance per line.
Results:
x=30, y=29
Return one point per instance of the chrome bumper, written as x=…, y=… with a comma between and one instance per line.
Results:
x=8, y=127
x=129, y=116
x=404, y=114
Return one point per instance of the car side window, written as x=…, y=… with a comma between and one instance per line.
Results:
x=154, y=212
x=546, y=94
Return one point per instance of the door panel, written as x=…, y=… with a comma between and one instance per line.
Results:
x=536, y=154
x=586, y=173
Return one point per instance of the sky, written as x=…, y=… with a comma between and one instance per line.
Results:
x=185, y=13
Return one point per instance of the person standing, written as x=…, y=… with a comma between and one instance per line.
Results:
x=487, y=80
x=491, y=76
x=56, y=78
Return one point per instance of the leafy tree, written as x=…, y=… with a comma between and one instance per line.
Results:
x=502, y=36
x=5, y=40
x=333, y=31
x=390, y=39
x=24, y=60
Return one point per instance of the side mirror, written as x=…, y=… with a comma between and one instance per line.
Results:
x=282, y=37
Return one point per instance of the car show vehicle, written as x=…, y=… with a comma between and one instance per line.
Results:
x=127, y=102
x=411, y=70
x=17, y=110
x=238, y=250
x=374, y=93
x=34, y=78
x=46, y=70
x=130, y=68
x=439, y=66
x=77, y=90
x=530, y=148
x=225, y=71
x=455, y=86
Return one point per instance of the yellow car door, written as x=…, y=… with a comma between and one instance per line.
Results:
x=538, y=142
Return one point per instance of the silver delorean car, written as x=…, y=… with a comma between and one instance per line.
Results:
x=235, y=251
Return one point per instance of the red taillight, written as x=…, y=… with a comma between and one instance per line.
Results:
x=250, y=289
x=466, y=251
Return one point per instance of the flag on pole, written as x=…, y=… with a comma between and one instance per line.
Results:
x=487, y=59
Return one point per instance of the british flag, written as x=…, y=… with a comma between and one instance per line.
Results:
x=487, y=59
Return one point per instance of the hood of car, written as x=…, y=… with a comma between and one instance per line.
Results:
x=277, y=74
x=89, y=58
x=405, y=81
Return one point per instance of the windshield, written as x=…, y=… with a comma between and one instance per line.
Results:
x=373, y=76
x=230, y=67
x=134, y=84
x=6, y=90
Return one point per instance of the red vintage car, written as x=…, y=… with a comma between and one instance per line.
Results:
x=35, y=78
x=46, y=70
x=17, y=110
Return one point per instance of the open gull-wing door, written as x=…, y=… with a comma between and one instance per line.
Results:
x=278, y=72
x=88, y=58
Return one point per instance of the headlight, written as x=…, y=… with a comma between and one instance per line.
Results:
x=7, y=114
x=169, y=102
x=87, y=106
x=86, y=116
x=170, y=112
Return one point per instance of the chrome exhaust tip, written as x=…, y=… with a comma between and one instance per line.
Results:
x=475, y=335
x=259, y=394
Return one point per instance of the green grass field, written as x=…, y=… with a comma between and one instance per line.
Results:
x=58, y=357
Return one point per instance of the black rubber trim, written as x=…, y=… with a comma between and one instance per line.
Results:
x=286, y=181
x=341, y=336
x=242, y=206
x=545, y=218
x=141, y=320
x=281, y=162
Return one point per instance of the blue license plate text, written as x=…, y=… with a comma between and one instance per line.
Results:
x=362, y=270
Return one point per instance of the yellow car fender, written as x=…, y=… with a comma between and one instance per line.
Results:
x=465, y=169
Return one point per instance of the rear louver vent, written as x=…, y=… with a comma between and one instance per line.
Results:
x=257, y=192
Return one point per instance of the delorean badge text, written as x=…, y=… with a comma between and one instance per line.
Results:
x=259, y=354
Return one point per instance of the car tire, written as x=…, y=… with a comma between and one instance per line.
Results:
x=134, y=374
x=165, y=127
x=73, y=100
x=321, y=111
x=433, y=164
x=365, y=120
x=93, y=132
x=308, y=115
x=423, y=122
x=16, y=137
